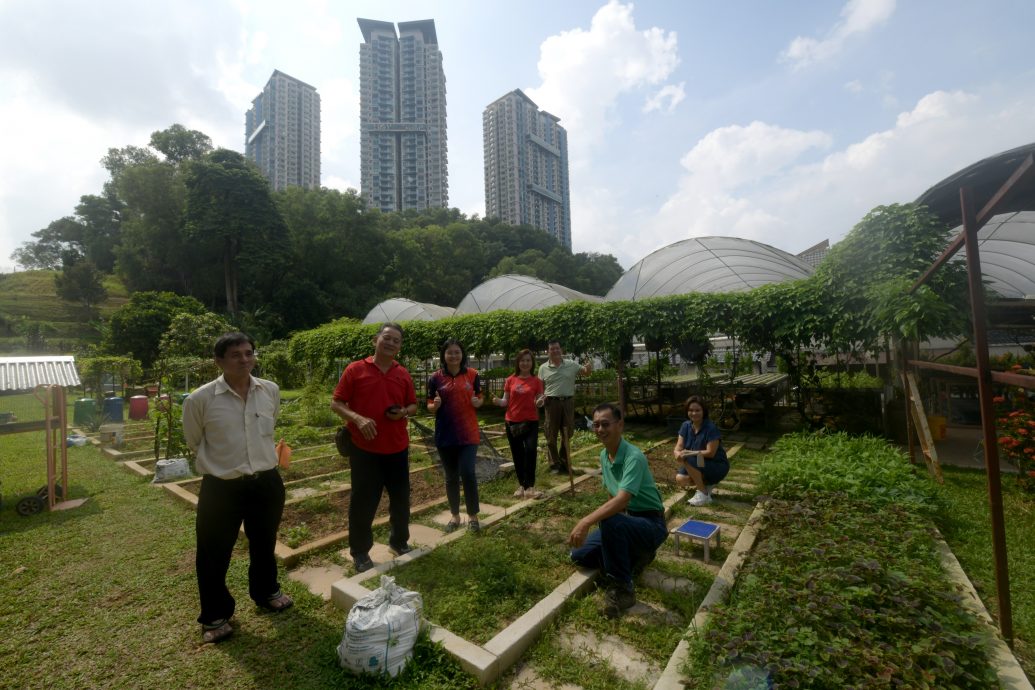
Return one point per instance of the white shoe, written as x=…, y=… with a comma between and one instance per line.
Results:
x=700, y=499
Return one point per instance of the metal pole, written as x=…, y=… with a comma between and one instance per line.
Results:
x=984, y=378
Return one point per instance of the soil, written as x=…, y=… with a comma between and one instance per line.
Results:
x=424, y=487
x=663, y=467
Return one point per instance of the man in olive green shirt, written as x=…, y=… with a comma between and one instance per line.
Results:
x=558, y=375
x=632, y=522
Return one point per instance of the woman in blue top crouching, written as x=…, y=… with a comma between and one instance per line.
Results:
x=699, y=452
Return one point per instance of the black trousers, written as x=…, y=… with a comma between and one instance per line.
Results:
x=372, y=473
x=223, y=505
x=523, y=449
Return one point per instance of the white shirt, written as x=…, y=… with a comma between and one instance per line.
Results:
x=231, y=437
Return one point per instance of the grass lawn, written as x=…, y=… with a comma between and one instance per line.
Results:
x=104, y=596
x=969, y=533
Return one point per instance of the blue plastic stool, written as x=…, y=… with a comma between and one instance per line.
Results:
x=700, y=532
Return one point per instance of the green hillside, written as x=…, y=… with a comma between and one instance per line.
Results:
x=29, y=305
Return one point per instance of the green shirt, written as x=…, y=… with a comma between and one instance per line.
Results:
x=559, y=381
x=630, y=472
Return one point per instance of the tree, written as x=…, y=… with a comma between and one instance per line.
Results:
x=178, y=144
x=100, y=218
x=193, y=335
x=46, y=252
x=79, y=281
x=229, y=207
x=891, y=244
x=136, y=328
x=340, y=260
x=153, y=253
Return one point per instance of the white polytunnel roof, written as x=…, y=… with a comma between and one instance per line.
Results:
x=518, y=293
x=708, y=264
x=1007, y=245
x=1007, y=241
x=402, y=309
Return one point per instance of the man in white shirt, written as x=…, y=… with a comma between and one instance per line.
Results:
x=228, y=424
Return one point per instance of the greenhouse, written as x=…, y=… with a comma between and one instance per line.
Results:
x=707, y=264
x=1007, y=241
x=518, y=293
x=402, y=309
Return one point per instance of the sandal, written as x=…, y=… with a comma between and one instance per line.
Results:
x=217, y=631
x=278, y=602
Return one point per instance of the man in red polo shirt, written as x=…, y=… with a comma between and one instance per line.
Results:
x=375, y=396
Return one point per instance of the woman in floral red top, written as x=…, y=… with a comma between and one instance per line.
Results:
x=454, y=393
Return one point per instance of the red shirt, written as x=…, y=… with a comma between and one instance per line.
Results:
x=521, y=394
x=370, y=393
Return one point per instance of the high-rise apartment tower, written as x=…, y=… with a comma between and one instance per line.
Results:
x=526, y=166
x=402, y=115
x=282, y=132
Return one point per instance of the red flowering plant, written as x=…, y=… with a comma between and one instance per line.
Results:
x=1015, y=426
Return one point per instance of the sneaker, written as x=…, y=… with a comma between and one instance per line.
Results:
x=400, y=550
x=452, y=526
x=362, y=563
x=534, y=493
x=700, y=499
x=520, y=493
x=616, y=601
x=473, y=525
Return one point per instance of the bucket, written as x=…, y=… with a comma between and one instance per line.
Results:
x=111, y=435
x=113, y=410
x=937, y=424
x=138, y=407
x=84, y=411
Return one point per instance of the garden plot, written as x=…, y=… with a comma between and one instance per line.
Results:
x=517, y=577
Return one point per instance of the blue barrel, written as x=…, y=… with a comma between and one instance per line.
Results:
x=113, y=410
x=84, y=412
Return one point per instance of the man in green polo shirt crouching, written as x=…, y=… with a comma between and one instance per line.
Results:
x=632, y=522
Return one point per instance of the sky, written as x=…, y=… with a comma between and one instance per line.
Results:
x=782, y=122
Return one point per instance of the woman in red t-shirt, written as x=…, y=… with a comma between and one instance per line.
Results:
x=522, y=394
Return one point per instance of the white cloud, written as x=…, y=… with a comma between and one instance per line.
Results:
x=339, y=183
x=585, y=72
x=857, y=16
x=754, y=182
x=673, y=93
x=854, y=86
x=730, y=156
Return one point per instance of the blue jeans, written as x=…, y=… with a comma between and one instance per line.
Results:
x=458, y=463
x=622, y=542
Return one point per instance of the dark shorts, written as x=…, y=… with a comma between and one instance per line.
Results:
x=713, y=472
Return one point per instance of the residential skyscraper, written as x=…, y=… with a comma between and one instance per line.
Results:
x=526, y=166
x=282, y=132
x=402, y=115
